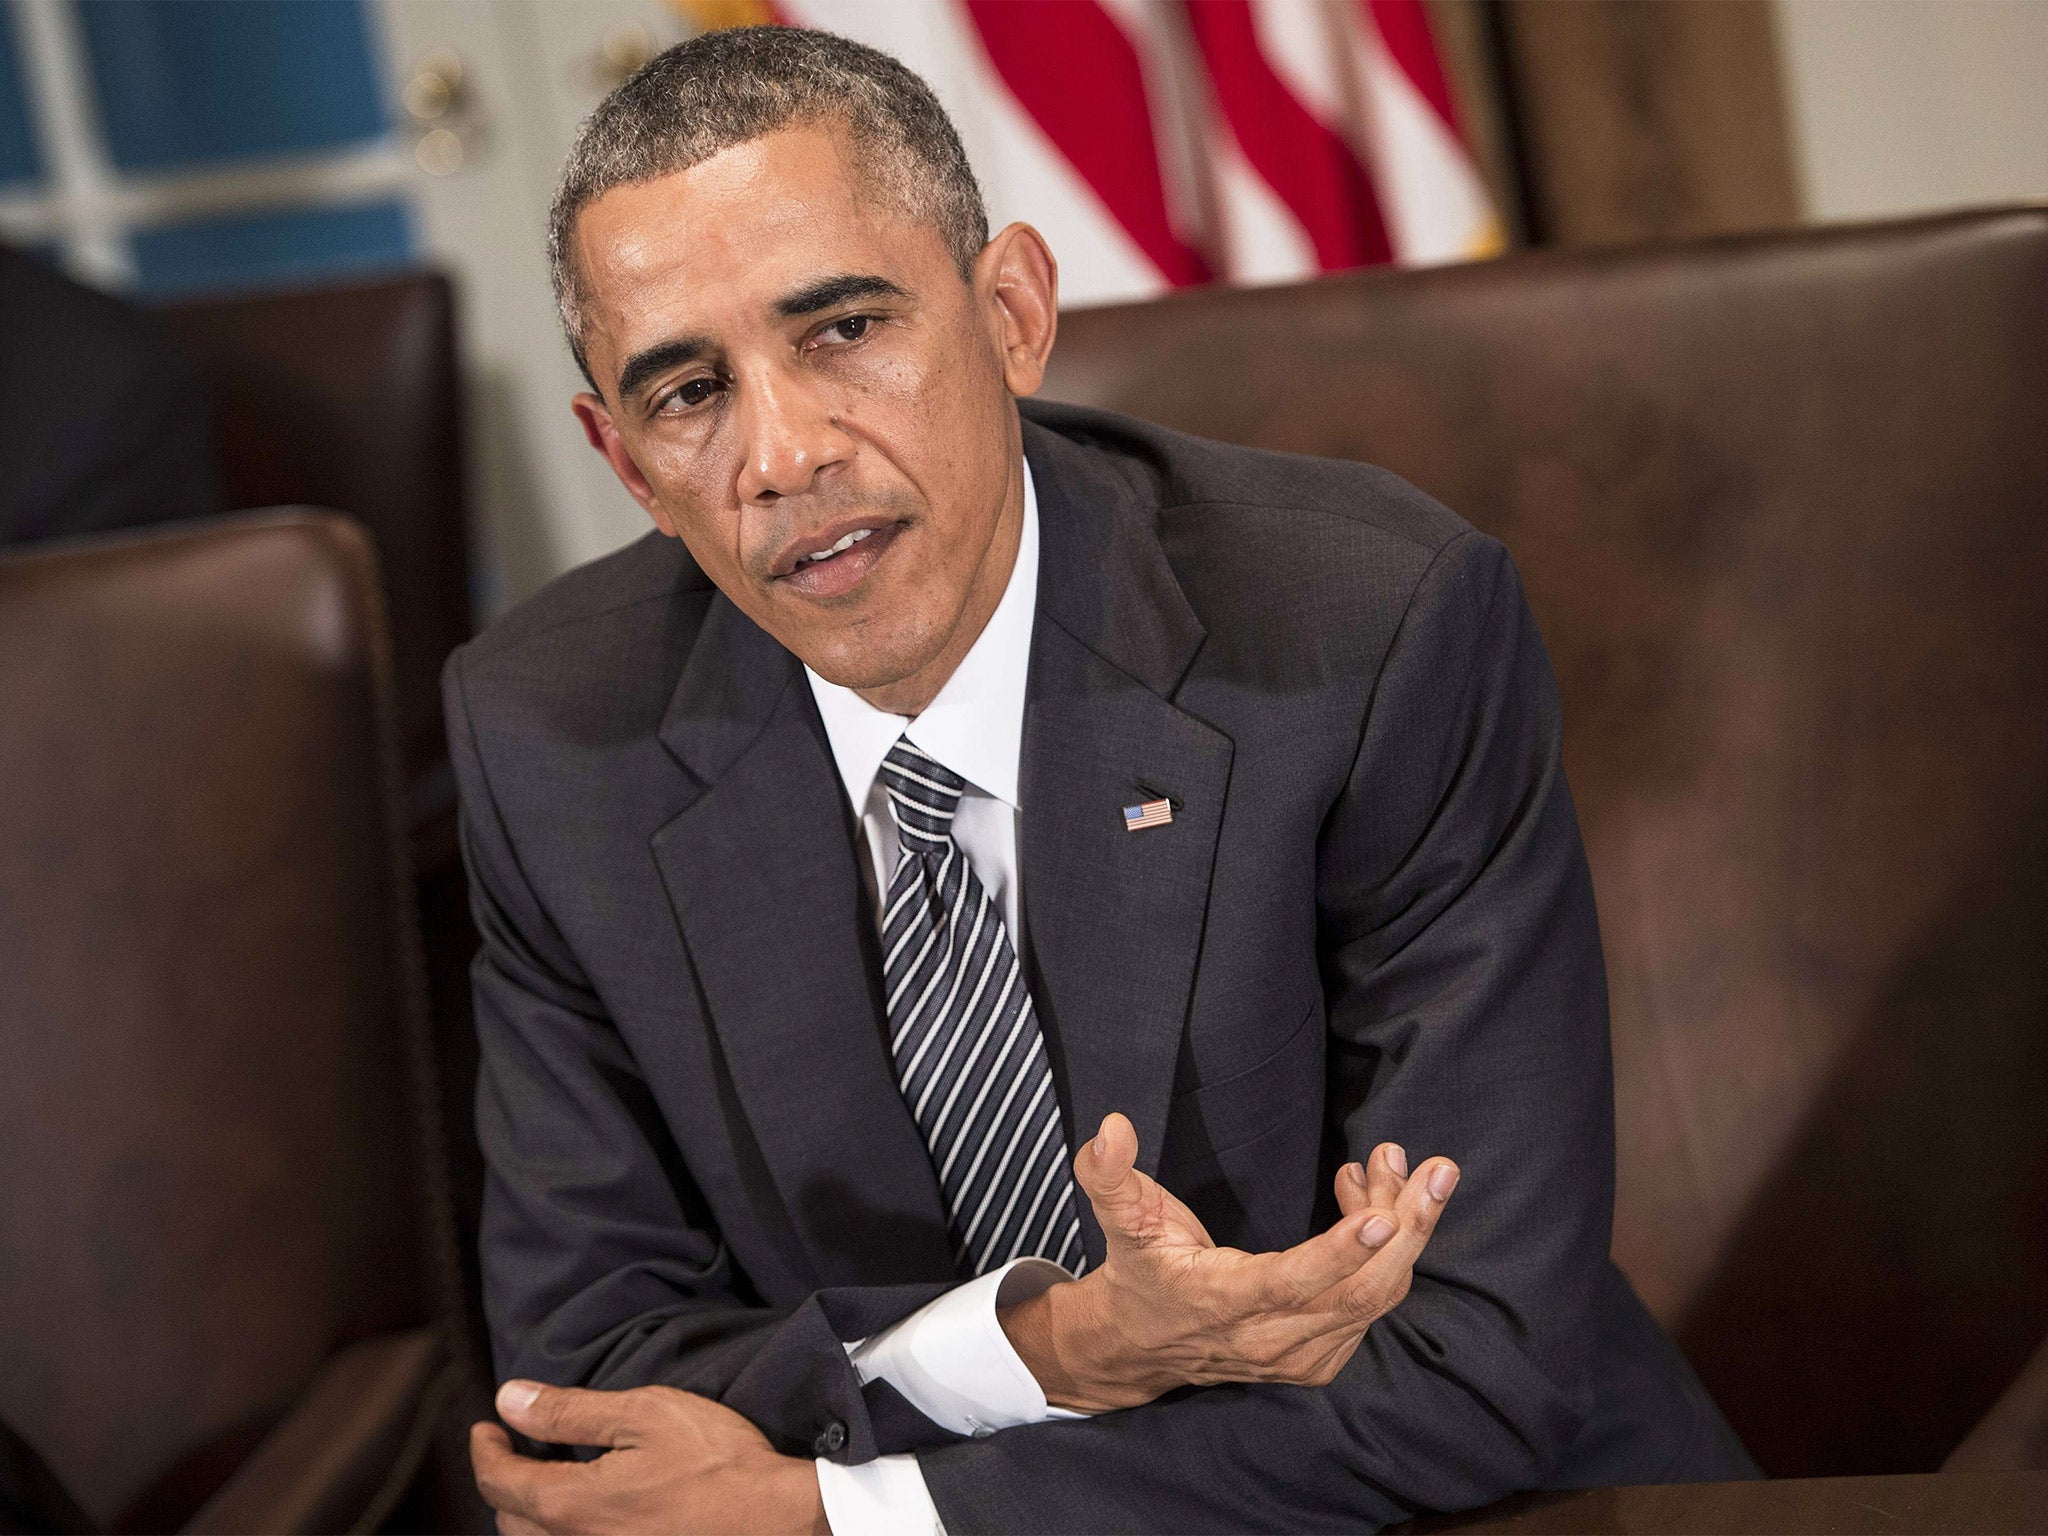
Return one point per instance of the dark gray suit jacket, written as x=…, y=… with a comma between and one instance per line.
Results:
x=1370, y=919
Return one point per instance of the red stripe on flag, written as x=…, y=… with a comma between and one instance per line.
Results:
x=1311, y=169
x=1403, y=26
x=1078, y=76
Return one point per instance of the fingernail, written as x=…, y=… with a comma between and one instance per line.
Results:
x=1357, y=1172
x=517, y=1396
x=1375, y=1232
x=1443, y=1181
x=1398, y=1161
x=1099, y=1146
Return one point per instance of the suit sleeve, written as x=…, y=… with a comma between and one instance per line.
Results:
x=602, y=1266
x=1468, y=1017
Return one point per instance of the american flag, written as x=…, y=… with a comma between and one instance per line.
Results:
x=1153, y=813
x=1158, y=143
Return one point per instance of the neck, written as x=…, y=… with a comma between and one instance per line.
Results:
x=910, y=695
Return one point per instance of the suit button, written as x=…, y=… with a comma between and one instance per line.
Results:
x=831, y=1439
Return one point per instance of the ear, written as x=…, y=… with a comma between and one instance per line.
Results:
x=603, y=434
x=1020, y=283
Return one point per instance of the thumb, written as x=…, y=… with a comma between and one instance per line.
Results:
x=1106, y=1170
x=567, y=1415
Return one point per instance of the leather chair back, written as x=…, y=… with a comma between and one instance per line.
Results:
x=348, y=396
x=214, y=1167
x=1781, y=508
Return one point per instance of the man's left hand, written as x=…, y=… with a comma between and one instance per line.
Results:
x=673, y=1461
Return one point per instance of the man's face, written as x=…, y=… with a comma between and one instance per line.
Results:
x=799, y=385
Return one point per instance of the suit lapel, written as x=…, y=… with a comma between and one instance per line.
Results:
x=1113, y=918
x=760, y=872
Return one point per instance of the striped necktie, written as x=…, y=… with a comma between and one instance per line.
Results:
x=968, y=1053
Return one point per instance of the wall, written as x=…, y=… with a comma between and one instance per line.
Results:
x=530, y=70
x=1902, y=106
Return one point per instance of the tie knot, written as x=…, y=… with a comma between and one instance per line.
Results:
x=923, y=795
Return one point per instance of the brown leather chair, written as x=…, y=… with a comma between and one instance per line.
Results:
x=226, y=1284
x=347, y=395
x=1781, y=506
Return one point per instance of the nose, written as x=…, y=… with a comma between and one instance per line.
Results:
x=789, y=436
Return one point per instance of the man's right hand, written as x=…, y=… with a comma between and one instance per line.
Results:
x=1167, y=1308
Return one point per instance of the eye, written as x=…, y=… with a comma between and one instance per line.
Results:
x=687, y=396
x=851, y=328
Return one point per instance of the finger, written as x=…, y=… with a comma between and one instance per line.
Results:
x=1133, y=1209
x=1420, y=1203
x=1377, y=1182
x=519, y=1525
x=1106, y=1170
x=510, y=1483
x=568, y=1415
x=1386, y=1174
x=1307, y=1270
x=1383, y=1281
x=1351, y=1190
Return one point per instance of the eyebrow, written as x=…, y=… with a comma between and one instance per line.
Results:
x=658, y=359
x=829, y=291
x=807, y=300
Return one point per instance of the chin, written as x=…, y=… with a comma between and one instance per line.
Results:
x=865, y=663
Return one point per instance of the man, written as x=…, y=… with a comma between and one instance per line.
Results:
x=978, y=905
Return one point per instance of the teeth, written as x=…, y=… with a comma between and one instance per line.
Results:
x=846, y=543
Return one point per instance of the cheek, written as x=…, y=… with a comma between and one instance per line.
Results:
x=694, y=495
x=711, y=543
x=692, y=477
x=922, y=376
x=890, y=387
x=688, y=468
x=941, y=419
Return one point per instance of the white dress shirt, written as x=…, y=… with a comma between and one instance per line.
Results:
x=950, y=1359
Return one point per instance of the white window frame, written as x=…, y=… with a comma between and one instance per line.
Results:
x=90, y=209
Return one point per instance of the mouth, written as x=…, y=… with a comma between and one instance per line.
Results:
x=832, y=561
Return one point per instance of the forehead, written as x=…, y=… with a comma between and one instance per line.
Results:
x=709, y=247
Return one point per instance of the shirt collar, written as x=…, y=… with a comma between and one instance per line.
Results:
x=976, y=724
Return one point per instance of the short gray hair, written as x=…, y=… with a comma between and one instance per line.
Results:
x=705, y=95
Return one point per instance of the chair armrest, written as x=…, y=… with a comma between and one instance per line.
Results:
x=1976, y=1503
x=347, y=1449
x=2013, y=1436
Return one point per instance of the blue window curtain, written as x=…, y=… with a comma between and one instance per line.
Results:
x=188, y=84
x=18, y=160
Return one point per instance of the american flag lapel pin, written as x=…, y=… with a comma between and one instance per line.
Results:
x=1151, y=813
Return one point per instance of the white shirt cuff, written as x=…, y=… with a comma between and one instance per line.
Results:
x=952, y=1361
x=883, y=1497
